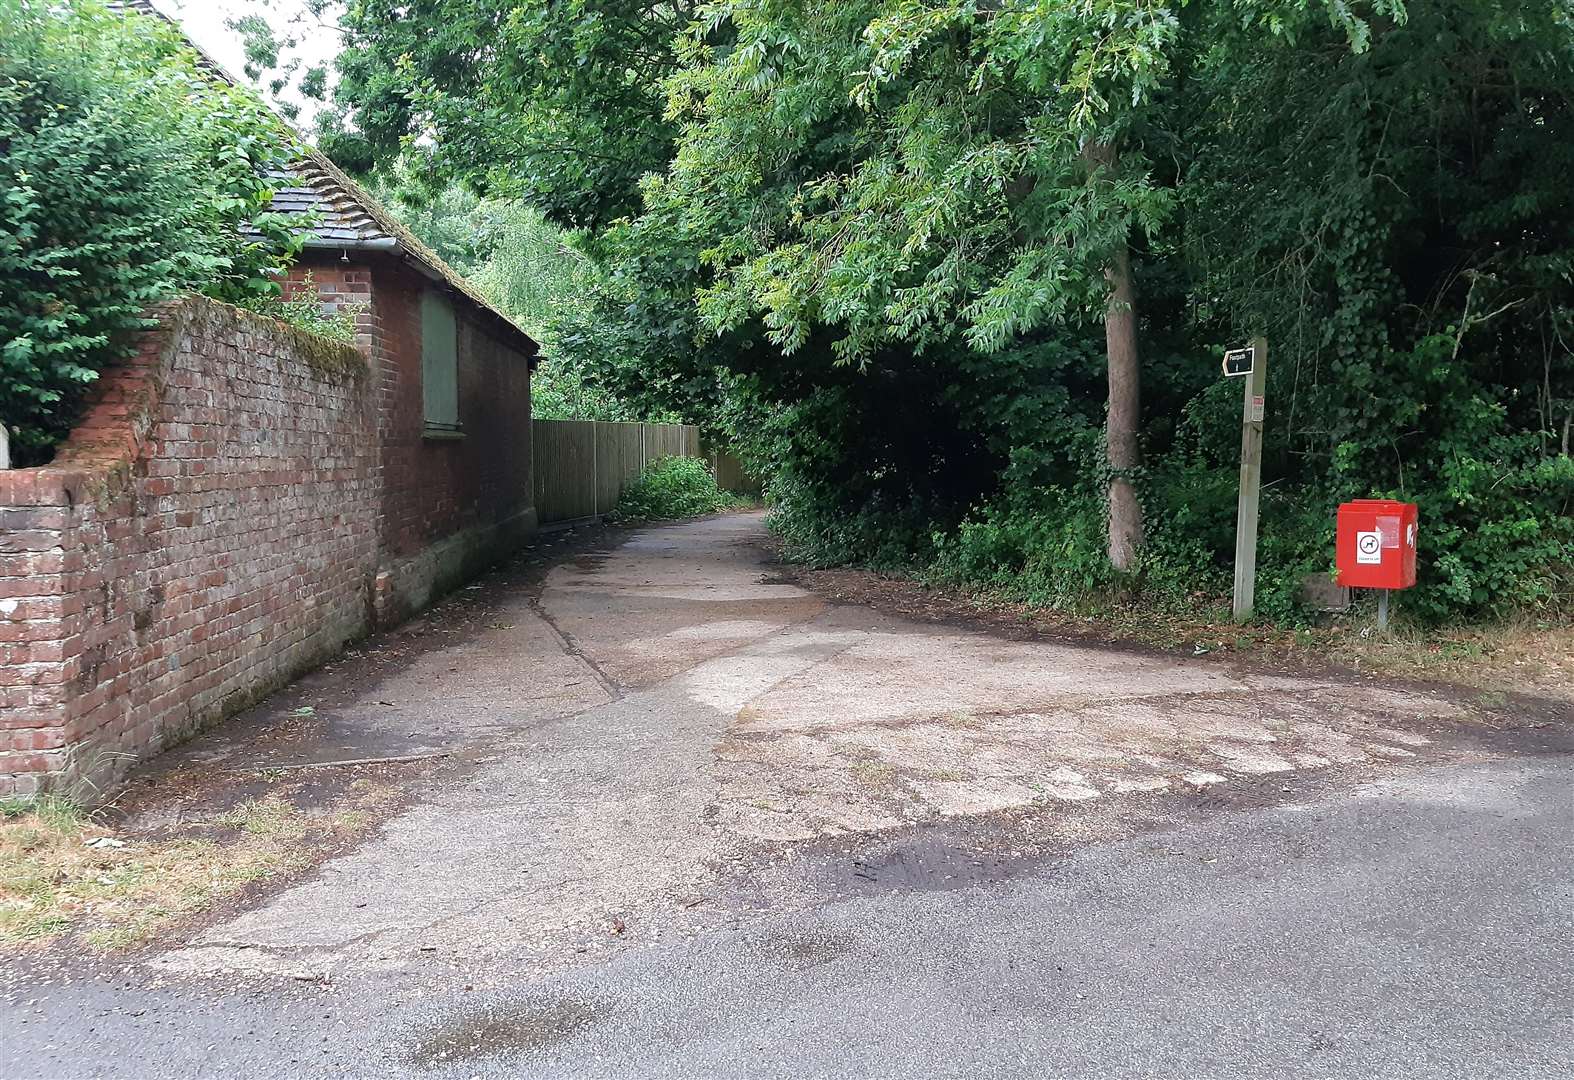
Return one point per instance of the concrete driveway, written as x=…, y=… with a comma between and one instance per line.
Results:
x=662, y=720
x=660, y=759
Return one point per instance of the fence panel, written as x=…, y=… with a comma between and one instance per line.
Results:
x=618, y=451
x=581, y=465
x=564, y=459
x=730, y=474
x=663, y=440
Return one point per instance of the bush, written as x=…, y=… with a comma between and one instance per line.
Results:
x=126, y=173
x=673, y=487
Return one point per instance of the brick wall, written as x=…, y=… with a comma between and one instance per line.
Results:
x=340, y=286
x=239, y=501
x=209, y=531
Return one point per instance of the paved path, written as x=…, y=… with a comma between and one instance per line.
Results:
x=697, y=820
x=662, y=714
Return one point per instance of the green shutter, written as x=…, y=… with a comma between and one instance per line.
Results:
x=439, y=362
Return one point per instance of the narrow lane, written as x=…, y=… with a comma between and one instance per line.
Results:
x=724, y=717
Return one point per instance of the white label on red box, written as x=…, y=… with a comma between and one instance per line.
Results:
x=1369, y=548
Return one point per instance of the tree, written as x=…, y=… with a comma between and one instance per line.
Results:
x=560, y=103
x=126, y=173
x=879, y=235
x=985, y=198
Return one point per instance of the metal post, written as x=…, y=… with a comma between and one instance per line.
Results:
x=1251, y=483
x=1382, y=608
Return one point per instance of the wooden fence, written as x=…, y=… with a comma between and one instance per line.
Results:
x=732, y=476
x=580, y=466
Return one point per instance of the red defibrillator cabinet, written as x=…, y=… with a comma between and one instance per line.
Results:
x=1376, y=544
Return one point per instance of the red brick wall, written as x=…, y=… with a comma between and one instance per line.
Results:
x=209, y=531
x=340, y=286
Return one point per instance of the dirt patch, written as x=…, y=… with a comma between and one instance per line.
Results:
x=173, y=854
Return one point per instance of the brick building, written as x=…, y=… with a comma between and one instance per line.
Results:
x=452, y=376
x=241, y=499
x=453, y=387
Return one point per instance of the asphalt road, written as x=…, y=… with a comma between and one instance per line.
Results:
x=1421, y=926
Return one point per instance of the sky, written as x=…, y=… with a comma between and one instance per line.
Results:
x=203, y=22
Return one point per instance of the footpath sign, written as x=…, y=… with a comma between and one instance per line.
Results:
x=1250, y=365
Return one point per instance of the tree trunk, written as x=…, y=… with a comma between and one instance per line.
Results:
x=1125, y=386
x=1125, y=410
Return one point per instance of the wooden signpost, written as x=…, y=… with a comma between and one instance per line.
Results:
x=1251, y=365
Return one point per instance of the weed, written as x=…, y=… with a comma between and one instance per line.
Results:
x=673, y=487
x=875, y=774
x=270, y=817
x=55, y=811
x=948, y=774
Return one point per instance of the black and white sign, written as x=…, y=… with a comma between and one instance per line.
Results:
x=1239, y=361
x=1369, y=548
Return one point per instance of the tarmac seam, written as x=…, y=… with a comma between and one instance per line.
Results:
x=572, y=648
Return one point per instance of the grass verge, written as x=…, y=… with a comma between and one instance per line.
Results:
x=67, y=873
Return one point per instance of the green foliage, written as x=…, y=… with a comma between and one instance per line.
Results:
x=52, y=811
x=558, y=103
x=1396, y=220
x=303, y=310
x=126, y=174
x=867, y=240
x=672, y=487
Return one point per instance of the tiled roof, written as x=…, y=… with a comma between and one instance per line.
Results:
x=346, y=216
x=339, y=218
x=349, y=217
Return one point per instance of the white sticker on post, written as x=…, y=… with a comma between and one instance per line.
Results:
x=1369, y=548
